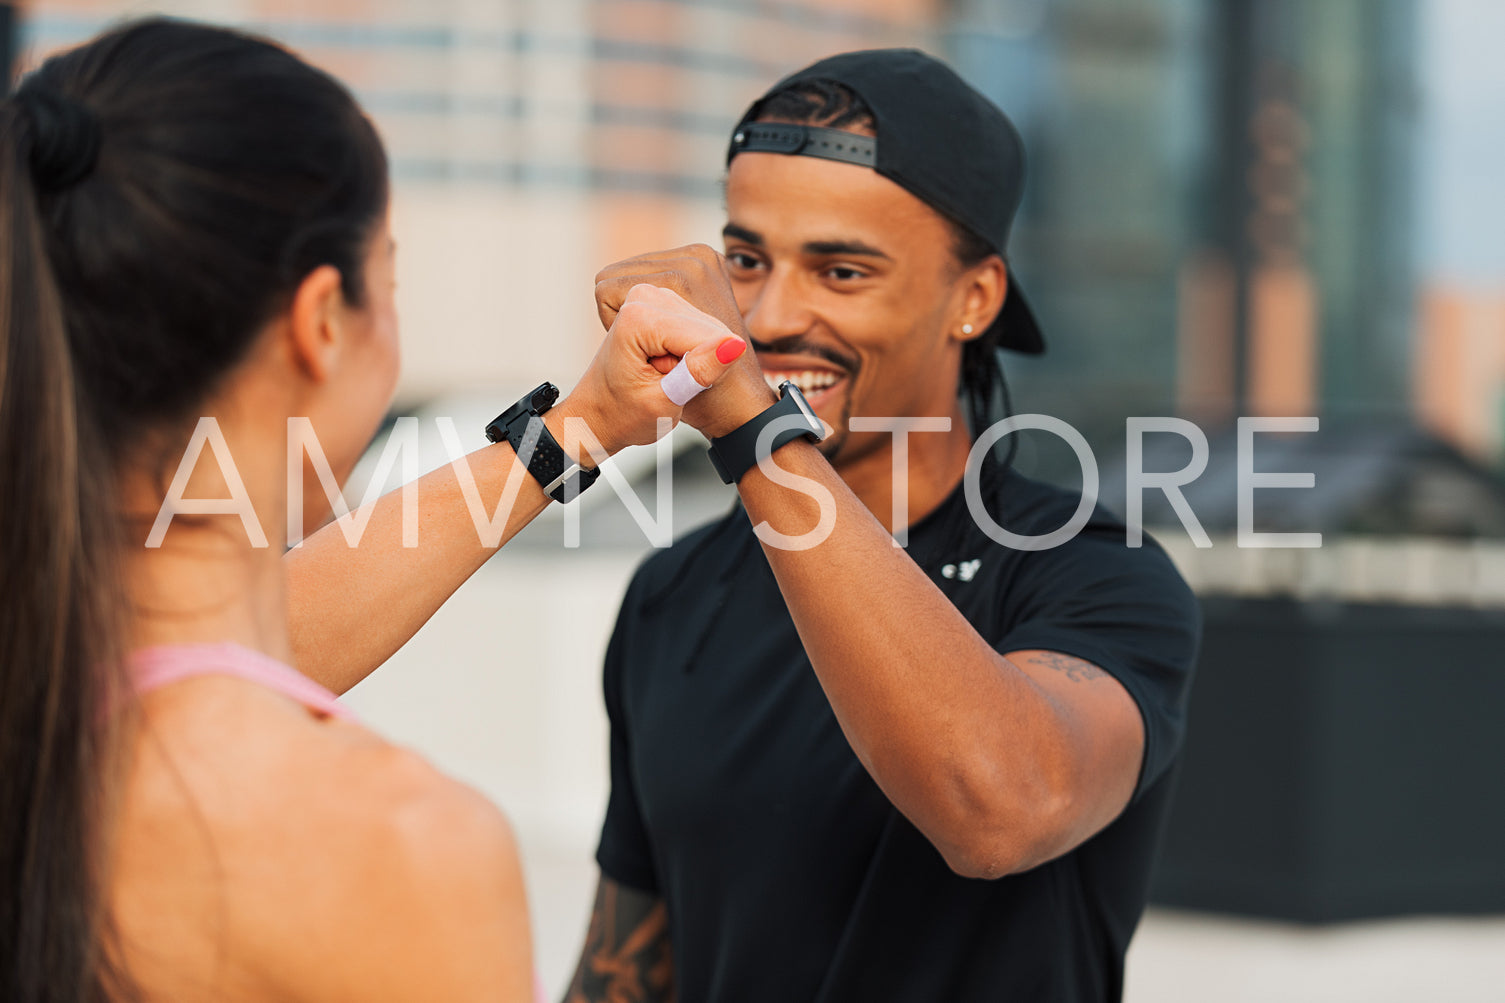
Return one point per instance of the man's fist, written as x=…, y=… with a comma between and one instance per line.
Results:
x=697, y=273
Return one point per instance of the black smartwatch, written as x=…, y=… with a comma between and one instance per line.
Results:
x=522, y=426
x=735, y=453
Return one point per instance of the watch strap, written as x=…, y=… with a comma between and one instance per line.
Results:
x=560, y=478
x=734, y=454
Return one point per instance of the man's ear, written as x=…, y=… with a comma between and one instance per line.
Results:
x=983, y=290
x=315, y=323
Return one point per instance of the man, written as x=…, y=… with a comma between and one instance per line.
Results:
x=851, y=771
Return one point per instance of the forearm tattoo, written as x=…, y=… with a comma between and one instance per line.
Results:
x=1076, y=669
x=627, y=956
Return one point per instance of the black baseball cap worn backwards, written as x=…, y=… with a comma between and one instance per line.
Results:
x=937, y=137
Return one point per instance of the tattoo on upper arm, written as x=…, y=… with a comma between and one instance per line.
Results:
x=1076, y=669
x=627, y=956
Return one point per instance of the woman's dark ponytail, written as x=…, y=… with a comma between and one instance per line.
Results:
x=58, y=589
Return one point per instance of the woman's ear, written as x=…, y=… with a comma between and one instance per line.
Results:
x=983, y=290
x=316, y=323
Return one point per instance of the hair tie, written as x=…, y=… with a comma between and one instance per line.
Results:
x=65, y=137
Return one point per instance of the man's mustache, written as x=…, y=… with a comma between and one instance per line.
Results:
x=798, y=345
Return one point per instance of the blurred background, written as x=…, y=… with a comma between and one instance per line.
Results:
x=1235, y=208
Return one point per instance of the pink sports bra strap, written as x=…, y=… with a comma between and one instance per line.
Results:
x=151, y=668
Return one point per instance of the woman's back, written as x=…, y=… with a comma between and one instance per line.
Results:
x=267, y=851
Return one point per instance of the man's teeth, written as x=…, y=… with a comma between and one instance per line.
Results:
x=809, y=381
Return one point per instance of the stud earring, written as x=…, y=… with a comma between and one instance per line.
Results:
x=966, y=329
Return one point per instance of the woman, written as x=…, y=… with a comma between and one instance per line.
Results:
x=193, y=223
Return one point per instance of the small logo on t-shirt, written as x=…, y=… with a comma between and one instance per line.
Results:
x=965, y=570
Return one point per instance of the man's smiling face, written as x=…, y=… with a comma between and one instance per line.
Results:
x=850, y=287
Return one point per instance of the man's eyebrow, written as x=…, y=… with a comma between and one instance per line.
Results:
x=827, y=248
x=815, y=248
x=734, y=232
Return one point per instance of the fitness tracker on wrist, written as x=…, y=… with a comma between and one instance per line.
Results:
x=735, y=453
x=522, y=426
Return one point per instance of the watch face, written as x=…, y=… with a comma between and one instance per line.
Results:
x=818, y=428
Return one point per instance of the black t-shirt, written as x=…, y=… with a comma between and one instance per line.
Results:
x=787, y=873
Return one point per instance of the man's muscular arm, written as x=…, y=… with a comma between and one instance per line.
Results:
x=627, y=956
x=1003, y=761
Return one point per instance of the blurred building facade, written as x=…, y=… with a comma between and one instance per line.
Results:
x=1223, y=216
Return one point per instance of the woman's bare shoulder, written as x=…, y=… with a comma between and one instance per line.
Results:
x=341, y=860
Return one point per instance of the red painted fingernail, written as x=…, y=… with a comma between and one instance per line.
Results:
x=729, y=349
